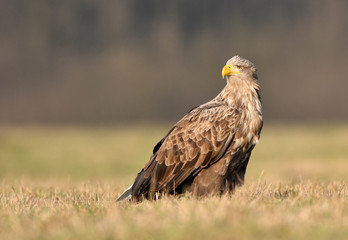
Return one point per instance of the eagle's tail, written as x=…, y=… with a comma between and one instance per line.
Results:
x=126, y=194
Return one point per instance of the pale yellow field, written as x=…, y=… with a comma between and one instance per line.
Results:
x=61, y=183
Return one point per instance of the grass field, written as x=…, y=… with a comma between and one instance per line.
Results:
x=61, y=183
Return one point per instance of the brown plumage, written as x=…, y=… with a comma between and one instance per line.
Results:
x=208, y=150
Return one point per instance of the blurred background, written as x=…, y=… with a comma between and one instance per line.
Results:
x=102, y=62
x=84, y=84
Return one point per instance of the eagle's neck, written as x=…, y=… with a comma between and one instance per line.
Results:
x=242, y=95
x=244, y=98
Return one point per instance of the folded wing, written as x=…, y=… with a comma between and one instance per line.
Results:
x=195, y=142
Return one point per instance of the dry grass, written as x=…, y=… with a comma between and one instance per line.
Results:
x=259, y=210
x=44, y=193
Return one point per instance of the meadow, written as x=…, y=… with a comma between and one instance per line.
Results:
x=62, y=182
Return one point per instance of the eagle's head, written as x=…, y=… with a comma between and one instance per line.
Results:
x=240, y=68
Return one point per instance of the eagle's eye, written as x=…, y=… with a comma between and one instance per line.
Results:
x=239, y=67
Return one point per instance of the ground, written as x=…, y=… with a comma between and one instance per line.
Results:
x=61, y=183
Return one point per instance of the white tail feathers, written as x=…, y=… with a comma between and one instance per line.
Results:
x=126, y=194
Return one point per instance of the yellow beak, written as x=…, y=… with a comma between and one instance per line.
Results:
x=228, y=70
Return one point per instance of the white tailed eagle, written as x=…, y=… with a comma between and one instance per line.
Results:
x=208, y=150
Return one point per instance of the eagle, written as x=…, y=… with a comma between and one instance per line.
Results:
x=208, y=150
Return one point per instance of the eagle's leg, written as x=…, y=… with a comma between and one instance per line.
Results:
x=208, y=181
x=235, y=177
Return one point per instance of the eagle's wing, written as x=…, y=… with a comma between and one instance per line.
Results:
x=196, y=141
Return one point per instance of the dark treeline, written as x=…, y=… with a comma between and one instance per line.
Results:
x=89, y=61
